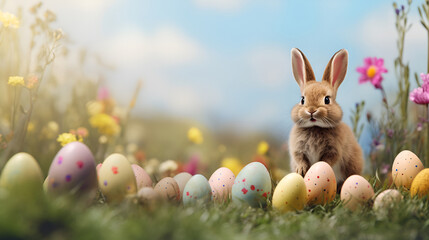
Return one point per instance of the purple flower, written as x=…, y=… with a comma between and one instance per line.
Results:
x=371, y=71
x=390, y=133
x=397, y=11
x=385, y=168
x=420, y=95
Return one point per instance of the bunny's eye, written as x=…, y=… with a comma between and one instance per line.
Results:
x=327, y=100
x=302, y=100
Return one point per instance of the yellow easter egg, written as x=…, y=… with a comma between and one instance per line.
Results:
x=290, y=194
x=420, y=185
x=116, y=178
x=21, y=171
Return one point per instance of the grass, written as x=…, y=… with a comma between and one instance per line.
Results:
x=37, y=216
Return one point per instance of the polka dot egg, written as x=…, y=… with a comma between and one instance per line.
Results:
x=181, y=179
x=290, y=194
x=405, y=168
x=168, y=189
x=321, y=183
x=73, y=168
x=252, y=185
x=221, y=183
x=116, y=178
x=197, y=190
x=356, y=191
x=142, y=178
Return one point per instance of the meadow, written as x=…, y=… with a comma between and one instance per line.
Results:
x=37, y=118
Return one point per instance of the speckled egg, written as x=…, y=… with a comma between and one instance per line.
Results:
x=196, y=190
x=98, y=167
x=168, y=189
x=221, y=183
x=73, y=168
x=405, y=168
x=290, y=194
x=420, y=185
x=116, y=178
x=321, y=183
x=252, y=185
x=181, y=179
x=142, y=178
x=386, y=198
x=356, y=191
x=147, y=195
x=21, y=171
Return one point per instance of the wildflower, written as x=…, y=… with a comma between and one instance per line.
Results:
x=83, y=132
x=371, y=71
x=385, y=168
x=168, y=167
x=50, y=16
x=390, y=133
x=192, y=166
x=94, y=108
x=58, y=34
x=15, y=81
x=420, y=95
x=50, y=130
x=263, y=148
x=232, y=164
x=397, y=11
x=32, y=82
x=419, y=127
x=105, y=124
x=103, y=94
x=66, y=138
x=9, y=20
x=195, y=135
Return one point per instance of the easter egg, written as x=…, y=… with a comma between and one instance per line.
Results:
x=196, y=190
x=116, y=178
x=356, y=191
x=252, y=185
x=290, y=193
x=142, y=178
x=181, y=179
x=321, y=183
x=420, y=185
x=405, y=168
x=21, y=172
x=221, y=183
x=73, y=168
x=386, y=198
x=147, y=195
x=45, y=184
x=168, y=190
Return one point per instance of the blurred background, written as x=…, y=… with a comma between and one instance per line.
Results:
x=220, y=65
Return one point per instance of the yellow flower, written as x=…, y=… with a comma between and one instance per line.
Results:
x=66, y=138
x=30, y=127
x=263, y=148
x=105, y=124
x=94, y=107
x=16, y=80
x=233, y=164
x=195, y=135
x=9, y=20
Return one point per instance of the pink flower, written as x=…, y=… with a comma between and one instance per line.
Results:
x=192, y=166
x=371, y=71
x=420, y=95
x=103, y=94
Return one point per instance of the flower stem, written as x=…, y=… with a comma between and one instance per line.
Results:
x=427, y=137
x=13, y=109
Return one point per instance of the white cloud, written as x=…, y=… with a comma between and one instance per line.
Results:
x=377, y=34
x=270, y=65
x=168, y=45
x=221, y=5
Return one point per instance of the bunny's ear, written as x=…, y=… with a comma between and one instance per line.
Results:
x=301, y=68
x=336, y=69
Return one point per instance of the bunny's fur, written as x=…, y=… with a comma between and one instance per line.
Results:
x=318, y=133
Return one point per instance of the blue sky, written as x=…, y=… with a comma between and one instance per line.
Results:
x=227, y=62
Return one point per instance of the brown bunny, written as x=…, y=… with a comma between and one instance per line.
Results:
x=318, y=133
